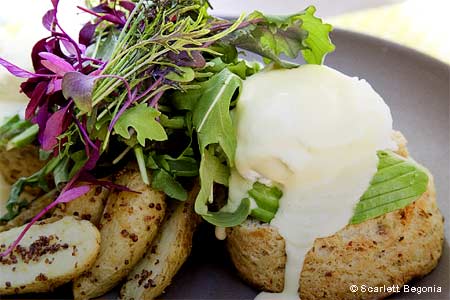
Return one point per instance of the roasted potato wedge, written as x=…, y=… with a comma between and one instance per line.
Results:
x=388, y=250
x=128, y=226
x=88, y=207
x=20, y=162
x=51, y=253
x=169, y=251
x=29, y=212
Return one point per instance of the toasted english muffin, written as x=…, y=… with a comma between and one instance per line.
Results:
x=388, y=250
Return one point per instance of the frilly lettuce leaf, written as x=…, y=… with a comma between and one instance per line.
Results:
x=397, y=183
x=272, y=36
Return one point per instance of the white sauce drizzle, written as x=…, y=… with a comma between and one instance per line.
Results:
x=314, y=132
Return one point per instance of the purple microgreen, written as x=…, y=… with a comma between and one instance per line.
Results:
x=41, y=119
x=55, y=63
x=27, y=87
x=94, y=156
x=87, y=33
x=151, y=88
x=65, y=197
x=17, y=71
x=43, y=45
x=55, y=85
x=78, y=87
x=71, y=49
x=55, y=126
x=184, y=59
x=155, y=100
x=85, y=136
x=109, y=16
x=64, y=34
x=89, y=178
x=114, y=19
x=48, y=20
x=128, y=5
x=102, y=8
x=36, y=99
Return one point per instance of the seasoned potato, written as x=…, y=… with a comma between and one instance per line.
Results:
x=389, y=250
x=51, y=253
x=169, y=251
x=20, y=162
x=88, y=207
x=128, y=226
x=32, y=210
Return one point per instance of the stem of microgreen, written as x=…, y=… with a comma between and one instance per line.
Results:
x=121, y=155
x=141, y=163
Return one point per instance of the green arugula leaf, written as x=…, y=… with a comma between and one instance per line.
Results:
x=186, y=100
x=289, y=35
x=163, y=181
x=182, y=74
x=211, y=170
x=151, y=163
x=61, y=172
x=142, y=119
x=182, y=166
x=397, y=183
x=15, y=203
x=177, y=122
x=211, y=115
x=267, y=198
x=79, y=158
x=227, y=219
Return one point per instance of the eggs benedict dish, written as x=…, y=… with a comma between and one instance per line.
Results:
x=322, y=138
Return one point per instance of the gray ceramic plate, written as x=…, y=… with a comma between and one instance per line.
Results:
x=416, y=88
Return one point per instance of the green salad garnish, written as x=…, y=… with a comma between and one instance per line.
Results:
x=398, y=182
x=151, y=82
x=154, y=82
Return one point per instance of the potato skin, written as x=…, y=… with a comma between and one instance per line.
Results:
x=389, y=250
x=128, y=226
x=69, y=246
x=20, y=162
x=88, y=207
x=166, y=255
